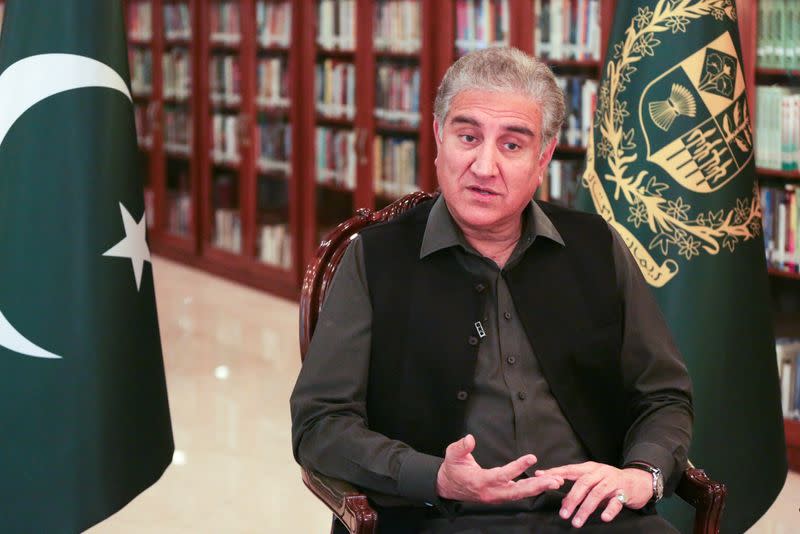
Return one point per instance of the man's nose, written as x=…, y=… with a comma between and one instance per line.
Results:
x=485, y=163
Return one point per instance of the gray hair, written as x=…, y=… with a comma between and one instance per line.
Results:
x=504, y=70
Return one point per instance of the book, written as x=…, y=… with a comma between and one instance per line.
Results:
x=397, y=94
x=336, y=24
x=580, y=94
x=335, y=84
x=781, y=218
x=394, y=166
x=274, y=146
x=274, y=23
x=398, y=26
x=225, y=138
x=140, y=20
x=177, y=71
x=177, y=131
x=272, y=81
x=141, y=65
x=177, y=21
x=224, y=79
x=224, y=22
x=787, y=351
x=480, y=24
x=144, y=125
x=777, y=139
x=567, y=29
x=336, y=157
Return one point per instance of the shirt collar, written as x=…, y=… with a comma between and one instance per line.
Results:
x=442, y=232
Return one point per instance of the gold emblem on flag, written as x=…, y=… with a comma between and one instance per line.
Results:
x=694, y=123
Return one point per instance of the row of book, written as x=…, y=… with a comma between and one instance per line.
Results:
x=177, y=70
x=144, y=125
x=225, y=80
x=140, y=20
x=272, y=80
x=336, y=157
x=563, y=179
x=225, y=138
x=337, y=24
x=141, y=65
x=177, y=21
x=227, y=230
x=274, y=23
x=777, y=132
x=179, y=211
x=580, y=96
x=788, y=353
x=275, y=245
x=567, y=29
x=335, y=88
x=394, y=166
x=224, y=22
x=177, y=131
x=481, y=23
x=780, y=219
x=397, y=94
x=397, y=26
x=274, y=143
x=778, y=34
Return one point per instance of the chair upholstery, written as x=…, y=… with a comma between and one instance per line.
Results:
x=347, y=503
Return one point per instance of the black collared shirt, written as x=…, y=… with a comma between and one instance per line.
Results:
x=511, y=410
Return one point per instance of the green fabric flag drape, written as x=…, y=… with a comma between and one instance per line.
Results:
x=83, y=401
x=670, y=165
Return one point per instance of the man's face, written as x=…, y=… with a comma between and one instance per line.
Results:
x=489, y=160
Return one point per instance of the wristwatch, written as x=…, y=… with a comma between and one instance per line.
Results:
x=658, y=479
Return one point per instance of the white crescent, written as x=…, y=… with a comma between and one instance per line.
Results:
x=23, y=85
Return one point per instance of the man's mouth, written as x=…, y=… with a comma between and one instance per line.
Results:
x=481, y=191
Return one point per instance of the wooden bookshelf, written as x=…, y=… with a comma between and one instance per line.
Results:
x=286, y=191
x=791, y=428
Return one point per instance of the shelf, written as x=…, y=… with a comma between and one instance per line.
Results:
x=178, y=41
x=273, y=49
x=774, y=173
x=141, y=96
x=224, y=105
x=398, y=56
x=229, y=165
x=777, y=73
x=139, y=41
x=221, y=44
x=573, y=64
x=347, y=55
x=392, y=127
x=330, y=186
x=779, y=273
x=273, y=111
x=335, y=121
x=178, y=100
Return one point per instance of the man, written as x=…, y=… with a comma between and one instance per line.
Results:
x=485, y=363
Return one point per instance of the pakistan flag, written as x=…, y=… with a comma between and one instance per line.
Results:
x=83, y=405
x=670, y=165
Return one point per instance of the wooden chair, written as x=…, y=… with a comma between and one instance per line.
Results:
x=347, y=503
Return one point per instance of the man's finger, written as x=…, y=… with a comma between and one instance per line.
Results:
x=569, y=472
x=462, y=447
x=527, y=487
x=512, y=470
x=601, y=491
x=579, y=491
x=613, y=508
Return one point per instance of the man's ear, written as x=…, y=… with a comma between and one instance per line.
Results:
x=547, y=153
x=437, y=133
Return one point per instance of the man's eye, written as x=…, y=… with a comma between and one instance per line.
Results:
x=469, y=138
x=512, y=146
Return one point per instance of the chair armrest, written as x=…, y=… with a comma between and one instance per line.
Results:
x=345, y=501
x=706, y=496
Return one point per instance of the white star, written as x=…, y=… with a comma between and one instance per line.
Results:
x=134, y=246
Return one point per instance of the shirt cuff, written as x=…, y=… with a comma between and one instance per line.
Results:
x=655, y=455
x=417, y=478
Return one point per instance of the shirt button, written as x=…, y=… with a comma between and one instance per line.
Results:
x=480, y=288
x=511, y=360
x=473, y=340
x=507, y=315
x=522, y=395
x=462, y=395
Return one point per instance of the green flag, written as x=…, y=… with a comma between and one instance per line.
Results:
x=670, y=165
x=83, y=404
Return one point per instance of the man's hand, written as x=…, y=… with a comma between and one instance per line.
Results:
x=596, y=484
x=461, y=478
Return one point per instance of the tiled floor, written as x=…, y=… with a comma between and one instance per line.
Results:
x=231, y=356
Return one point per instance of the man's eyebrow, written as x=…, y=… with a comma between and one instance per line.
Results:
x=464, y=119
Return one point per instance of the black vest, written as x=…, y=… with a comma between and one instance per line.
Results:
x=425, y=345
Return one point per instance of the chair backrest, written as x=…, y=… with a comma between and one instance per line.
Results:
x=320, y=272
